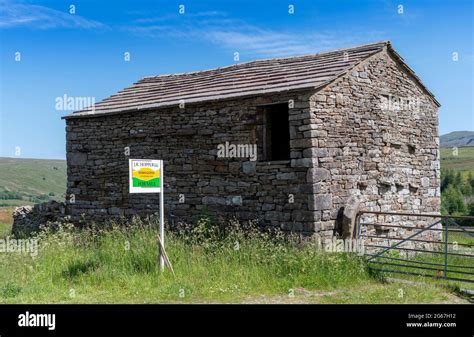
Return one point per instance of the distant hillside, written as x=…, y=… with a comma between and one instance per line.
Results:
x=27, y=181
x=457, y=139
x=460, y=160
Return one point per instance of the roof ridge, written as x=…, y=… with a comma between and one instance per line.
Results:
x=383, y=42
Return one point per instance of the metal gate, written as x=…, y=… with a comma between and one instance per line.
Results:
x=418, y=244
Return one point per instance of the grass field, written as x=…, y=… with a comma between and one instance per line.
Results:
x=458, y=267
x=6, y=220
x=31, y=180
x=463, y=161
x=120, y=266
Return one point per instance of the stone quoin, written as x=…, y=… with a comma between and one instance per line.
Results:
x=355, y=122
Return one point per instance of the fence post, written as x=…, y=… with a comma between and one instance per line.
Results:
x=446, y=249
x=358, y=229
x=349, y=218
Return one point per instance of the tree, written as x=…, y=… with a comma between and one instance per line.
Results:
x=470, y=179
x=466, y=189
x=447, y=178
x=458, y=180
x=471, y=208
x=452, y=201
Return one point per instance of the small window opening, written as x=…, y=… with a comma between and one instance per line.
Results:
x=276, y=132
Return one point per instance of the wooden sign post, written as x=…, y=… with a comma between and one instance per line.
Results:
x=146, y=176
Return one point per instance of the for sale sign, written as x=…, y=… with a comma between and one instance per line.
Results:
x=145, y=175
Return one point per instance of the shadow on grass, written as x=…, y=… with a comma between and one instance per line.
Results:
x=78, y=268
x=10, y=290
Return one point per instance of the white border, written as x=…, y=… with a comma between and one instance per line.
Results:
x=144, y=189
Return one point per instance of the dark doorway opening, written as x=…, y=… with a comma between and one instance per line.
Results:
x=276, y=132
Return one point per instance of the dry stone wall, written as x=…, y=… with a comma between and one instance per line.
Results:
x=28, y=219
x=376, y=138
x=196, y=180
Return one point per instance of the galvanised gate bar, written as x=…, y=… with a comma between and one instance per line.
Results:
x=442, y=249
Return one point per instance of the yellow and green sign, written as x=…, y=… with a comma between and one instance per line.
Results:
x=145, y=175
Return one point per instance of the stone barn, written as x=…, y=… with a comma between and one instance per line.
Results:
x=282, y=141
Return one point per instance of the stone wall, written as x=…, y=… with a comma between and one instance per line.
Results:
x=28, y=219
x=385, y=154
x=196, y=180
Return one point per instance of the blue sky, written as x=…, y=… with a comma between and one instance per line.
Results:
x=82, y=54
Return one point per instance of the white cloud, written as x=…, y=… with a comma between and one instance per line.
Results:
x=271, y=43
x=155, y=19
x=249, y=40
x=40, y=17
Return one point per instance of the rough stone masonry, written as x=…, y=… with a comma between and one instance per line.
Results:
x=360, y=124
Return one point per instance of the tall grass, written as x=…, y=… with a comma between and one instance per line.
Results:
x=212, y=263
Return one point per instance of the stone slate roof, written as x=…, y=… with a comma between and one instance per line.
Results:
x=240, y=80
